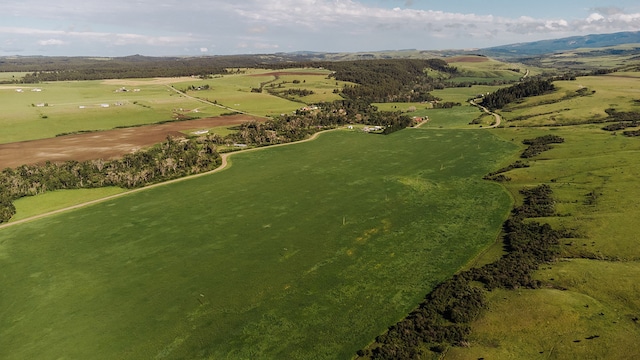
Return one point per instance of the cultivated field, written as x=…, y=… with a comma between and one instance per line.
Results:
x=306, y=250
x=311, y=250
x=108, y=144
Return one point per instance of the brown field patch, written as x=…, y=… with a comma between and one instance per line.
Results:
x=467, y=59
x=105, y=145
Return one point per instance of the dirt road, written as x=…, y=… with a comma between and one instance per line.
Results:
x=496, y=116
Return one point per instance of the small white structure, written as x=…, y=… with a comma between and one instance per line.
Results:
x=36, y=90
x=19, y=90
x=81, y=107
x=104, y=105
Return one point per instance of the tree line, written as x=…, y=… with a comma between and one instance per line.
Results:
x=443, y=318
x=176, y=158
x=173, y=158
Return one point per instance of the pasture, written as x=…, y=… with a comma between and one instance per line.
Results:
x=38, y=111
x=483, y=69
x=564, y=107
x=588, y=305
x=302, y=251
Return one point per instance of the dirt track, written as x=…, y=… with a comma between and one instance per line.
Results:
x=104, y=144
x=223, y=165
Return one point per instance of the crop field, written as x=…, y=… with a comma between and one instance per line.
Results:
x=301, y=251
x=49, y=109
x=563, y=106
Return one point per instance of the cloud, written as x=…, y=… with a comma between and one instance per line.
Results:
x=51, y=42
x=170, y=26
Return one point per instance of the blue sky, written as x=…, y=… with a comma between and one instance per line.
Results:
x=215, y=27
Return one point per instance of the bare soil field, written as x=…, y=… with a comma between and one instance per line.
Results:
x=104, y=144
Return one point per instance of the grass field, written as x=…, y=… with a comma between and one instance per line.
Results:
x=600, y=291
x=49, y=109
x=612, y=91
x=302, y=251
x=50, y=201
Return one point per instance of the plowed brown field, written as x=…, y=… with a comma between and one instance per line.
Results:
x=104, y=144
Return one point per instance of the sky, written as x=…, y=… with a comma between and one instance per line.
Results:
x=216, y=27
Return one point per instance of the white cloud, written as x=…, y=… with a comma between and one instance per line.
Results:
x=595, y=17
x=145, y=26
x=51, y=42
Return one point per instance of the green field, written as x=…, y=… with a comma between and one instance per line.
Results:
x=54, y=200
x=594, y=291
x=45, y=110
x=302, y=251
x=558, y=108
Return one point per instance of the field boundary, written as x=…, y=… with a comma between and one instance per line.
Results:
x=224, y=165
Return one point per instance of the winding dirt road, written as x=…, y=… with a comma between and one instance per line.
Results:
x=496, y=116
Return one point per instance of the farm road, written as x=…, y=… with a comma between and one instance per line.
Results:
x=212, y=103
x=496, y=116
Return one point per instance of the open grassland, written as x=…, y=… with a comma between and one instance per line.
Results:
x=563, y=106
x=594, y=58
x=457, y=117
x=589, y=306
x=11, y=76
x=63, y=107
x=302, y=251
x=45, y=110
x=482, y=69
x=235, y=91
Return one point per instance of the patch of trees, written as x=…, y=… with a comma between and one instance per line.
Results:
x=171, y=159
x=297, y=92
x=615, y=115
x=294, y=127
x=631, y=133
x=539, y=145
x=442, y=318
x=498, y=175
x=504, y=96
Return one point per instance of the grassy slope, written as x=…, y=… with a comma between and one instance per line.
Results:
x=600, y=296
x=298, y=251
x=617, y=91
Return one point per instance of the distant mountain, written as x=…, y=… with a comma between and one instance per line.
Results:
x=564, y=44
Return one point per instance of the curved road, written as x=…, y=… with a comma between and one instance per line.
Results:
x=496, y=116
